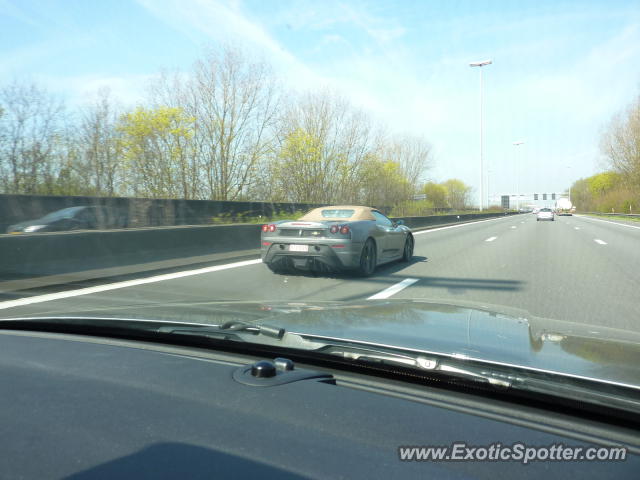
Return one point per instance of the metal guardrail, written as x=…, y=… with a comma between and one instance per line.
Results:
x=630, y=215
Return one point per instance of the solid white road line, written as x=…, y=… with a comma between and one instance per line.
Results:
x=129, y=283
x=513, y=226
x=490, y=239
x=597, y=240
x=576, y=228
x=608, y=221
x=456, y=226
x=393, y=289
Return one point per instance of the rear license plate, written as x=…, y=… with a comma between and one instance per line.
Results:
x=298, y=248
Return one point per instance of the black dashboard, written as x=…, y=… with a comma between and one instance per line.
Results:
x=80, y=407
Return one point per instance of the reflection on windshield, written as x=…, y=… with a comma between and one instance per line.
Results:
x=61, y=214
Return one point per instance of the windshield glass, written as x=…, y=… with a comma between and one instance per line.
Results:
x=337, y=213
x=380, y=162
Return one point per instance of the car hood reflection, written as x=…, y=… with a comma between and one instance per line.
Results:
x=480, y=333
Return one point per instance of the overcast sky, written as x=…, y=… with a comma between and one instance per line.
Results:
x=561, y=68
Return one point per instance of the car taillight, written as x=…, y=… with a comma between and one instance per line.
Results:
x=345, y=230
x=334, y=229
x=265, y=228
x=272, y=228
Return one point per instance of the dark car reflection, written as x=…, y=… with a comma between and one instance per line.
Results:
x=72, y=218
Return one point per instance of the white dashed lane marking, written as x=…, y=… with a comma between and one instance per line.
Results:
x=393, y=289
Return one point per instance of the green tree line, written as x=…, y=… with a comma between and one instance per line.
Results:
x=225, y=130
x=618, y=188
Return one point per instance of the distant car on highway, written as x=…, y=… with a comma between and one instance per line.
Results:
x=336, y=238
x=72, y=218
x=545, y=214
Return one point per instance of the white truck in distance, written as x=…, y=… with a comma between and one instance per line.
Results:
x=564, y=207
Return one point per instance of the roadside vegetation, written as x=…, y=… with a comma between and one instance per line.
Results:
x=616, y=190
x=225, y=130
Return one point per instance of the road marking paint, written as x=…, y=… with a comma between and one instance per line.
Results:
x=597, y=240
x=456, y=226
x=490, y=239
x=129, y=283
x=607, y=221
x=576, y=228
x=513, y=226
x=393, y=289
x=521, y=222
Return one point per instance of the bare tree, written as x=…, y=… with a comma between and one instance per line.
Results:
x=30, y=133
x=100, y=162
x=235, y=103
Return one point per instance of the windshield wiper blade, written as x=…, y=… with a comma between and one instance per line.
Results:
x=419, y=362
x=499, y=377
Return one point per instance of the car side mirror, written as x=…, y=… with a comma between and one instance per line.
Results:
x=399, y=222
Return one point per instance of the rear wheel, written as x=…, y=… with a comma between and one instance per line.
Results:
x=407, y=253
x=280, y=267
x=368, y=258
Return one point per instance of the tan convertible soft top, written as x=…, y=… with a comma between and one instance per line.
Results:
x=333, y=213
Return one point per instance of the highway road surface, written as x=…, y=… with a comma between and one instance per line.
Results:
x=576, y=269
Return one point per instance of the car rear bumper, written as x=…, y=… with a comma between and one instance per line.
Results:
x=328, y=255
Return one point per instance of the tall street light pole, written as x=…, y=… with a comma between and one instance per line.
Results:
x=516, y=144
x=481, y=64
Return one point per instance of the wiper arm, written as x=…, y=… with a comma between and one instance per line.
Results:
x=241, y=331
x=419, y=362
x=231, y=326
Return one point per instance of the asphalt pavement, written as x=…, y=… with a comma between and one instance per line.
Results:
x=576, y=269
